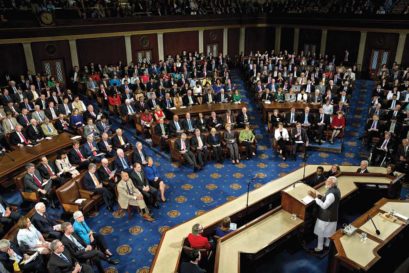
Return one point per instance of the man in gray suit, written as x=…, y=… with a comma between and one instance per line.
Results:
x=38, y=114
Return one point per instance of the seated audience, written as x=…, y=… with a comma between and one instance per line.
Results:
x=29, y=238
x=129, y=195
x=224, y=228
x=44, y=222
x=154, y=179
x=183, y=147
x=337, y=125
x=247, y=138
x=282, y=139
x=64, y=166
x=231, y=143
x=93, y=183
x=363, y=167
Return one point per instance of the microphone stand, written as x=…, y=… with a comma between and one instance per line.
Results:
x=305, y=161
x=377, y=231
x=248, y=192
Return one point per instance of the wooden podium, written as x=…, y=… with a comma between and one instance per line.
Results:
x=292, y=199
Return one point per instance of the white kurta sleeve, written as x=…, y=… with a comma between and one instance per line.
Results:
x=328, y=201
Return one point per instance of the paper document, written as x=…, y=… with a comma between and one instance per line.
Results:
x=32, y=258
x=100, y=154
x=299, y=141
x=76, y=137
x=307, y=199
x=79, y=201
x=233, y=226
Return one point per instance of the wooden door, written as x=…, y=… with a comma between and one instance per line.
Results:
x=55, y=68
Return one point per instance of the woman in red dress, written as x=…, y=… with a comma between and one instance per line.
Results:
x=159, y=114
x=337, y=124
x=146, y=121
x=114, y=100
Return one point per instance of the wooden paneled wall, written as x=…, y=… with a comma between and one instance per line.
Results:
x=101, y=50
x=175, y=42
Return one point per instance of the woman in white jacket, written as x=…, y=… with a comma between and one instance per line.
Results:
x=282, y=138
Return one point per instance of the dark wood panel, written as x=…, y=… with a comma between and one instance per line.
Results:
x=310, y=37
x=233, y=42
x=214, y=36
x=145, y=42
x=339, y=41
x=49, y=51
x=287, y=39
x=101, y=50
x=175, y=42
x=383, y=41
x=405, y=56
x=13, y=61
x=259, y=38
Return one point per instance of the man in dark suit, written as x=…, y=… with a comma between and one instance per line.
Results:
x=317, y=177
x=402, y=159
x=198, y=145
x=139, y=155
x=183, y=146
x=373, y=129
x=141, y=105
x=24, y=118
x=10, y=253
x=396, y=113
x=80, y=250
x=18, y=137
x=105, y=146
x=107, y=174
x=26, y=104
x=127, y=109
x=363, y=167
x=77, y=157
x=267, y=96
x=120, y=141
x=51, y=112
x=34, y=182
x=122, y=162
x=243, y=118
x=34, y=132
x=41, y=101
x=150, y=194
x=382, y=149
x=8, y=217
x=188, y=124
x=175, y=126
x=209, y=97
x=201, y=123
x=63, y=126
x=166, y=104
x=214, y=121
x=90, y=149
x=104, y=126
x=44, y=223
x=222, y=97
x=162, y=130
x=91, y=113
x=189, y=99
x=323, y=121
x=291, y=117
x=299, y=138
x=61, y=260
x=65, y=108
x=49, y=171
x=93, y=183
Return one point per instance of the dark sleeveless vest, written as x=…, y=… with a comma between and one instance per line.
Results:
x=331, y=213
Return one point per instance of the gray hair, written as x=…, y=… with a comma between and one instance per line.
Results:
x=53, y=245
x=77, y=214
x=4, y=244
x=334, y=180
x=39, y=205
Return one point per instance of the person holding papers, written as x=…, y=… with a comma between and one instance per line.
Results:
x=48, y=129
x=34, y=182
x=119, y=140
x=12, y=257
x=49, y=171
x=122, y=163
x=91, y=150
x=299, y=138
x=328, y=204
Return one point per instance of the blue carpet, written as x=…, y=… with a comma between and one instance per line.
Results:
x=191, y=194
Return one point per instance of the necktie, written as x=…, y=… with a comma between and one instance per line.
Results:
x=130, y=110
x=162, y=128
x=75, y=241
x=121, y=141
x=25, y=118
x=128, y=188
x=94, y=178
x=50, y=171
x=108, y=170
x=124, y=164
x=94, y=153
x=22, y=137
x=384, y=144
x=322, y=118
x=79, y=154
x=306, y=119
x=190, y=125
x=177, y=126
x=183, y=145
x=11, y=124
x=393, y=104
x=373, y=125
x=2, y=210
x=37, y=181
x=49, y=128
x=67, y=109
x=54, y=116
x=64, y=258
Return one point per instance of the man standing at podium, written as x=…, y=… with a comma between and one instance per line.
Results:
x=328, y=204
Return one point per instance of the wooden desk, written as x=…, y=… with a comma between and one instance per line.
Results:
x=25, y=155
x=170, y=247
x=253, y=239
x=286, y=106
x=358, y=255
x=208, y=108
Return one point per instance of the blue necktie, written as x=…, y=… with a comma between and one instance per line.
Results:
x=64, y=258
x=124, y=163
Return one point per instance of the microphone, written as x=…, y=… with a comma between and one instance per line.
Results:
x=255, y=177
x=377, y=231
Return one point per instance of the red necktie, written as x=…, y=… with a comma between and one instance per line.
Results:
x=92, y=148
x=108, y=171
x=22, y=136
x=79, y=154
x=37, y=181
x=50, y=172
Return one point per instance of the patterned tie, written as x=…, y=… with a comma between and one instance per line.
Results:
x=37, y=181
